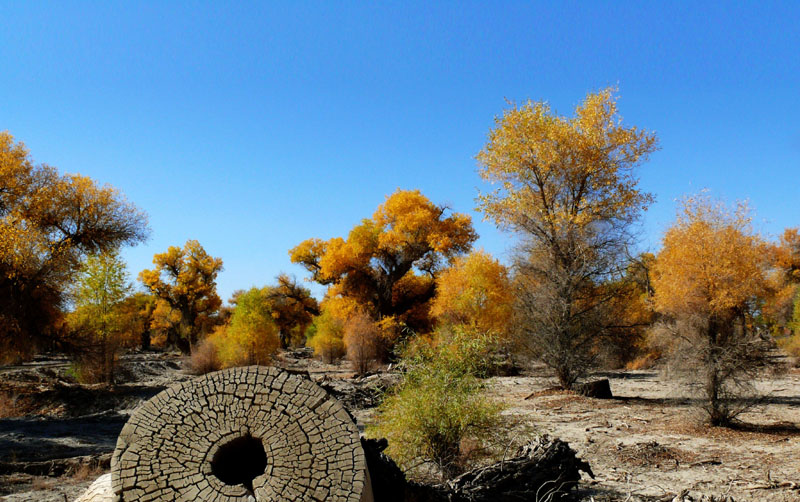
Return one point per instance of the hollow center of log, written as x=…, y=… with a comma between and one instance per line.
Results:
x=240, y=461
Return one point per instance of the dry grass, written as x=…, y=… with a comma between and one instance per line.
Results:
x=42, y=484
x=204, y=358
x=653, y=454
x=644, y=362
x=10, y=405
x=85, y=472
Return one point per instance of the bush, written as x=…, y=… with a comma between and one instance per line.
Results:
x=251, y=336
x=325, y=336
x=791, y=344
x=94, y=363
x=361, y=342
x=204, y=358
x=438, y=415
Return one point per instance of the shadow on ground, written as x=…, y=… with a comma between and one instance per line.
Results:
x=38, y=439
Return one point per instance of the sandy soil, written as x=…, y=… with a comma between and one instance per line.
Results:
x=648, y=441
x=643, y=445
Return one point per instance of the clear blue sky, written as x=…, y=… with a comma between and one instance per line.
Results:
x=251, y=127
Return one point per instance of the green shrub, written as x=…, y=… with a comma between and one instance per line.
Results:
x=438, y=414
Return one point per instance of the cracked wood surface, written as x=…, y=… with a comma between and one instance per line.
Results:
x=312, y=446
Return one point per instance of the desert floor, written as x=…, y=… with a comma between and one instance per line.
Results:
x=644, y=444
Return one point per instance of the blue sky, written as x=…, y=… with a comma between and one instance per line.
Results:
x=252, y=127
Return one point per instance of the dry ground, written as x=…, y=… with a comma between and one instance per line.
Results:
x=648, y=441
x=643, y=445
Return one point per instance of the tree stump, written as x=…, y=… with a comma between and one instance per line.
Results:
x=600, y=389
x=250, y=434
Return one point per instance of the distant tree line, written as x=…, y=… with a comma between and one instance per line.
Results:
x=715, y=300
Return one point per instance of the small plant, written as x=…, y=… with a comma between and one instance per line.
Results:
x=361, y=341
x=94, y=364
x=325, y=335
x=204, y=358
x=438, y=415
x=9, y=406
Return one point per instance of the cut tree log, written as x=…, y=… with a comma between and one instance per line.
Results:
x=99, y=491
x=249, y=434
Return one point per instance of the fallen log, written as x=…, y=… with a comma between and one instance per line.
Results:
x=545, y=469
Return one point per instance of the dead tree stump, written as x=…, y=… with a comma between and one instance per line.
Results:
x=250, y=434
x=599, y=389
x=543, y=470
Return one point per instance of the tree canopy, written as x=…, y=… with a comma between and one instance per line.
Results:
x=568, y=185
x=251, y=336
x=389, y=262
x=711, y=262
x=292, y=308
x=475, y=292
x=708, y=279
x=557, y=174
x=48, y=223
x=184, y=280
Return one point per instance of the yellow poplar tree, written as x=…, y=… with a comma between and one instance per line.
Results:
x=475, y=292
x=184, y=280
x=388, y=263
x=48, y=224
x=568, y=185
x=708, y=279
x=251, y=336
x=782, y=307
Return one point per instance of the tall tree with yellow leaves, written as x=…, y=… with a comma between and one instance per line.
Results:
x=388, y=263
x=782, y=307
x=48, y=224
x=568, y=185
x=708, y=279
x=292, y=308
x=184, y=280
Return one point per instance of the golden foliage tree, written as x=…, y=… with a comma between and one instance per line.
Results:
x=708, y=280
x=388, y=263
x=292, y=308
x=326, y=332
x=630, y=315
x=782, y=307
x=568, y=185
x=48, y=223
x=184, y=280
x=137, y=317
x=251, y=336
x=476, y=292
